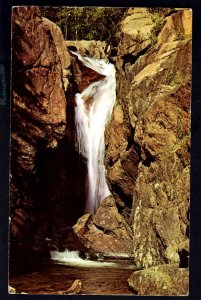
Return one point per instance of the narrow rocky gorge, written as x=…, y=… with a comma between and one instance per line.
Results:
x=147, y=146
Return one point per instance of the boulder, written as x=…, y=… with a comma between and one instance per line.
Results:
x=106, y=234
x=163, y=280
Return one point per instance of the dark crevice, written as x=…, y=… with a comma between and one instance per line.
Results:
x=130, y=139
x=113, y=52
x=111, y=162
x=127, y=199
x=138, y=150
x=72, y=48
x=158, y=237
x=131, y=59
x=149, y=159
x=171, y=12
x=57, y=171
x=184, y=259
x=160, y=241
x=99, y=227
x=134, y=291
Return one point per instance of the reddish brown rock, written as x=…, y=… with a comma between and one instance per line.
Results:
x=38, y=123
x=60, y=44
x=83, y=75
x=121, y=161
x=106, y=234
x=39, y=103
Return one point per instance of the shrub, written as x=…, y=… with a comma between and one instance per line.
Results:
x=159, y=21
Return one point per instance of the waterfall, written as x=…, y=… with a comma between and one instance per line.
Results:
x=93, y=111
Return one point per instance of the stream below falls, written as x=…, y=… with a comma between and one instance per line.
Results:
x=53, y=277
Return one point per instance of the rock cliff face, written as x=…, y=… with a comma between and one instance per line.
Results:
x=152, y=121
x=157, y=108
x=39, y=63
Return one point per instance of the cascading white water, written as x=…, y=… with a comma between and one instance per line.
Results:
x=72, y=258
x=90, y=123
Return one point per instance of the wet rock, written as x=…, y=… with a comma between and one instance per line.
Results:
x=81, y=227
x=75, y=287
x=83, y=75
x=163, y=280
x=107, y=234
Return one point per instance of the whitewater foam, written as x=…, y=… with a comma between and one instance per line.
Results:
x=72, y=258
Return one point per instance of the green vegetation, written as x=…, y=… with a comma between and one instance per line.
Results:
x=172, y=77
x=169, y=77
x=179, y=36
x=159, y=20
x=158, y=16
x=77, y=23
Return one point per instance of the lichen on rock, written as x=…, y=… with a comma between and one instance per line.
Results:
x=163, y=280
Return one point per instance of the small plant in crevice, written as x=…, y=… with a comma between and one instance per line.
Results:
x=159, y=10
x=179, y=36
x=169, y=78
x=172, y=78
x=156, y=30
x=159, y=21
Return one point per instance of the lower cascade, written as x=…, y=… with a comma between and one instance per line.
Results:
x=73, y=259
x=93, y=111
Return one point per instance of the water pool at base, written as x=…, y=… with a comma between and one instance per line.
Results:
x=107, y=279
